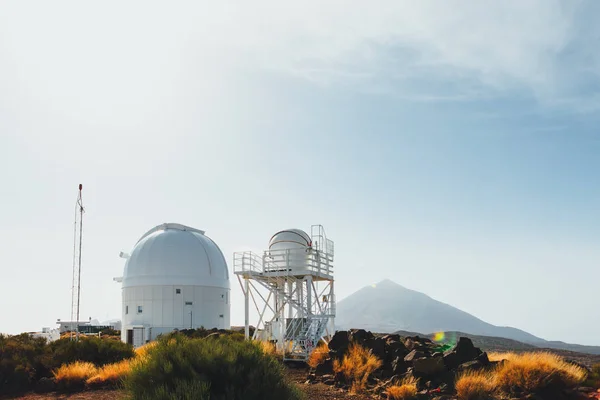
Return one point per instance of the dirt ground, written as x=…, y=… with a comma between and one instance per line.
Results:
x=317, y=391
x=87, y=395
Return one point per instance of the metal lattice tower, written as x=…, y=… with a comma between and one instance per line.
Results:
x=76, y=283
x=293, y=292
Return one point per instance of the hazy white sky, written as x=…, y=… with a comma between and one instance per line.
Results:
x=452, y=148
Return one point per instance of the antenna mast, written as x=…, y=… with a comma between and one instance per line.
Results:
x=76, y=285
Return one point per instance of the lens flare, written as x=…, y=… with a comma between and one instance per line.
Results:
x=439, y=336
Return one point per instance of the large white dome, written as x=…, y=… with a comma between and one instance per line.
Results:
x=174, y=254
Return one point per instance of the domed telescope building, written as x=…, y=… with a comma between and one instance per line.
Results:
x=294, y=279
x=175, y=278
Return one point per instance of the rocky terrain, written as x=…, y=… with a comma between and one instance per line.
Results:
x=433, y=366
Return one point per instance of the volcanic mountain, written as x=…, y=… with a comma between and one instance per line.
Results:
x=389, y=307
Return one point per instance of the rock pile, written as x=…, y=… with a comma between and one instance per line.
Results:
x=435, y=366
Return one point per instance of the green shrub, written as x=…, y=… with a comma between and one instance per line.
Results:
x=593, y=379
x=234, y=369
x=201, y=333
x=23, y=360
x=91, y=349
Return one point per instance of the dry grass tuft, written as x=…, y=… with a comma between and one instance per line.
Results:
x=404, y=390
x=319, y=354
x=74, y=374
x=268, y=347
x=142, y=351
x=110, y=374
x=475, y=385
x=356, y=366
x=536, y=372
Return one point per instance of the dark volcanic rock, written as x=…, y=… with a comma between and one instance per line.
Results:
x=391, y=338
x=483, y=359
x=339, y=341
x=377, y=346
x=461, y=353
x=414, y=355
x=399, y=366
x=338, y=345
x=451, y=360
x=45, y=385
x=428, y=366
x=326, y=367
x=360, y=335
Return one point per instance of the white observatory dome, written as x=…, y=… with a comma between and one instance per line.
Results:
x=171, y=254
x=290, y=239
x=288, y=249
x=176, y=278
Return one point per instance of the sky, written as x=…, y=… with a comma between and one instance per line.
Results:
x=451, y=147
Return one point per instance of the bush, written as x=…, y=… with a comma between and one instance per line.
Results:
x=537, y=373
x=405, y=390
x=74, y=376
x=475, y=385
x=179, y=367
x=23, y=360
x=319, y=354
x=268, y=347
x=91, y=349
x=593, y=379
x=356, y=366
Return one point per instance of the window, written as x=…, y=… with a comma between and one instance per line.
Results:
x=126, y=309
x=139, y=309
x=177, y=291
x=188, y=303
x=221, y=315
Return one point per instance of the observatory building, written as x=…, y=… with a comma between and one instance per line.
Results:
x=175, y=278
x=294, y=280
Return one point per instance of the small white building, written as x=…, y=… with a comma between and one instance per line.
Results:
x=175, y=278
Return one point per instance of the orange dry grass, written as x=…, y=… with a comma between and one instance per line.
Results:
x=535, y=372
x=404, y=390
x=75, y=373
x=475, y=385
x=356, y=366
x=111, y=374
x=142, y=351
x=319, y=354
x=268, y=347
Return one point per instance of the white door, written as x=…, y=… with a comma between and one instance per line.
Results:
x=138, y=337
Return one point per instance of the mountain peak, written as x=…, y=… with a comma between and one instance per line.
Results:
x=388, y=307
x=388, y=284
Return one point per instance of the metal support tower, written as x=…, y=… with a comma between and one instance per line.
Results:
x=76, y=283
x=293, y=293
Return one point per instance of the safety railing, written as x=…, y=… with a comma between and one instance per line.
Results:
x=297, y=261
x=247, y=261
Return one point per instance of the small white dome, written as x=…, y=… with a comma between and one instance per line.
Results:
x=174, y=254
x=290, y=238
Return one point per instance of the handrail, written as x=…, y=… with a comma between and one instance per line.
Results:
x=286, y=261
